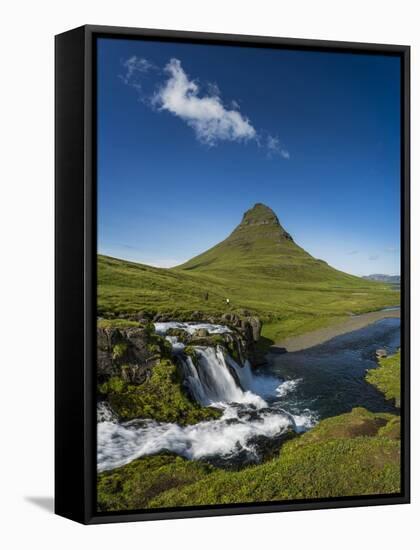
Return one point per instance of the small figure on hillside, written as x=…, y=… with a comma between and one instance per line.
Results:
x=227, y=301
x=206, y=296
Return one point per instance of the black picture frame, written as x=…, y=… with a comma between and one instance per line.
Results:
x=75, y=272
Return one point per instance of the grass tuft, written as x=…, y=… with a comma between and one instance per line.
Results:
x=387, y=377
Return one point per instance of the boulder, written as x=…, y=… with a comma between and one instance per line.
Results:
x=256, y=327
x=130, y=353
x=182, y=335
x=135, y=374
x=196, y=316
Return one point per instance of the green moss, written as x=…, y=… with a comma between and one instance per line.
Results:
x=359, y=422
x=134, y=485
x=232, y=349
x=114, y=385
x=116, y=323
x=392, y=430
x=157, y=345
x=387, y=377
x=149, y=328
x=119, y=350
x=348, y=455
x=153, y=348
x=160, y=397
x=190, y=351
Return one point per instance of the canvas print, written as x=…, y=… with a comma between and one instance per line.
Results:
x=248, y=274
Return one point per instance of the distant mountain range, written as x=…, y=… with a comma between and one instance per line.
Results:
x=394, y=279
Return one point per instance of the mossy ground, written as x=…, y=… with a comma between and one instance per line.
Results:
x=134, y=485
x=160, y=397
x=357, y=453
x=387, y=377
x=116, y=323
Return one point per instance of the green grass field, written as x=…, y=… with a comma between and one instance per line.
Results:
x=286, y=307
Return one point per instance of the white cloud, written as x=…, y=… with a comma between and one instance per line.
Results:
x=134, y=63
x=210, y=120
x=274, y=147
x=204, y=112
x=135, y=67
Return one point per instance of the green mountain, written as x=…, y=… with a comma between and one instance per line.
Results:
x=260, y=245
x=259, y=268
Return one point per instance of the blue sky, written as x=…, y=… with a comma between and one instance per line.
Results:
x=191, y=136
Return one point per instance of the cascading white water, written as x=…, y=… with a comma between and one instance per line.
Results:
x=104, y=413
x=191, y=328
x=210, y=380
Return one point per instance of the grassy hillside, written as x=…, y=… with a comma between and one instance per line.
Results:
x=353, y=454
x=259, y=268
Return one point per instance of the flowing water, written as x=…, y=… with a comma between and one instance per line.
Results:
x=332, y=375
x=260, y=409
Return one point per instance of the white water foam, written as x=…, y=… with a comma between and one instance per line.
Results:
x=177, y=346
x=288, y=386
x=104, y=413
x=191, y=328
x=120, y=444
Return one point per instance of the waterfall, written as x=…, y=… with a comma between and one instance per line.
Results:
x=250, y=412
x=211, y=381
x=213, y=378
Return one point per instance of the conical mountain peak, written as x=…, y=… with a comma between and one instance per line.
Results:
x=260, y=214
x=261, y=217
x=259, y=242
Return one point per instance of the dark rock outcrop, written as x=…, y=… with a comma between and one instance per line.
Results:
x=381, y=353
x=129, y=353
x=248, y=331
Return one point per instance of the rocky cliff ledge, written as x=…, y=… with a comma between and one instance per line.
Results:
x=130, y=347
x=129, y=352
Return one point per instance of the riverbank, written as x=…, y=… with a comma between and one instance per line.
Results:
x=322, y=335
